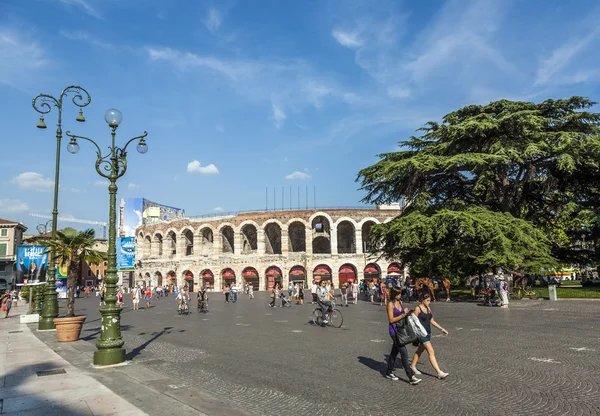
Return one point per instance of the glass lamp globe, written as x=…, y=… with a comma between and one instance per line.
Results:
x=73, y=147
x=113, y=117
x=142, y=147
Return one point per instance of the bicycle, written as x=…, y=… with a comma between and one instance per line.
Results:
x=519, y=293
x=334, y=316
x=202, y=306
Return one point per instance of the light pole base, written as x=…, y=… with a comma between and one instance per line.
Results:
x=109, y=356
x=46, y=323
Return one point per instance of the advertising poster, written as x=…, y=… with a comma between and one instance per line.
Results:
x=125, y=254
x=32, y=263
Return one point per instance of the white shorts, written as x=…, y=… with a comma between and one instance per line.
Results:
x=136, y=301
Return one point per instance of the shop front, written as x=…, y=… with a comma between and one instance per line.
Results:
x=251, y=276
x=208, y=279
x=274, y=277
x=228, y=277
x=322, y=272
x=347, y=274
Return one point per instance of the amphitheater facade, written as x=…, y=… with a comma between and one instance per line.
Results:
x=262, y=248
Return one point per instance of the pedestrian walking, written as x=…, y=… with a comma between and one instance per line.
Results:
x=250, y=291
x=226, y=291
x=425, y=315
x=396, y=312
x=148, y=296
x=313, y=292
x=234, y=292
x=301, y=294
x=6, y=305
x=344, y=294
x=135, y=296
x=504, y=295
x=355, y=292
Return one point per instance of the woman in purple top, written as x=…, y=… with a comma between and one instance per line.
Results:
x=396, y=312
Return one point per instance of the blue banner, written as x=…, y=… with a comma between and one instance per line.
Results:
x=32, y=262
x=125, y=254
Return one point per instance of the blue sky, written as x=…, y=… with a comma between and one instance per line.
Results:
x=241, y=95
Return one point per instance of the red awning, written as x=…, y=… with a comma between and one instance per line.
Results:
x=371, y=269
x=228, y=273
x=321, y=270
x=346, y=269
x=296, y=271
x=189, y=275
x=393, y=268
x=208, y=275
x=250, y=273
x=273, y=271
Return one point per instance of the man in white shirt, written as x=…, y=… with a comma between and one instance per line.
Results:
x=234, y=292
x=323, y=300
x=313, y=292
x=136, y=298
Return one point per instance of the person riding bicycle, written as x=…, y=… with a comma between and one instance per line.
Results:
x=323, y=300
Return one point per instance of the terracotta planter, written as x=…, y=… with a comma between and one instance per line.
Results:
x=68, y=329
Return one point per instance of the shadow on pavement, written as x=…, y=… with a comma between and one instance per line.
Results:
x=23, y=393
x=375, y=365
x=98, y=330
x=138, y=350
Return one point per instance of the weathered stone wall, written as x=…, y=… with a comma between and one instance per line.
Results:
x=194, y=247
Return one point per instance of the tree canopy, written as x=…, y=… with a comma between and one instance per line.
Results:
x=539, y=163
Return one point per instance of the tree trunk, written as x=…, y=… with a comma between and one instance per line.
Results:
x=71, y=283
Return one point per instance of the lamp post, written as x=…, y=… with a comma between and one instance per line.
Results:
x=43, y=104
x=111, y=166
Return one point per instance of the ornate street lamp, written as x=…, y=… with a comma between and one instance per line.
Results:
x=43, y=104
x=111, y=166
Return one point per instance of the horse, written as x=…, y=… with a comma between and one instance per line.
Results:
x=428, y=285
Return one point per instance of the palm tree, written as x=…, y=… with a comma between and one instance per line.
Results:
x=73, y=248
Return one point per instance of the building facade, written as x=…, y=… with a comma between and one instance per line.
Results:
x=262, y=248
x=11, y=236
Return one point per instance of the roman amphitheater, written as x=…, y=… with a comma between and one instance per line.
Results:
x=262, y=248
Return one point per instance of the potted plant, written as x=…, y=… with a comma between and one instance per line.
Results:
x=73, y=248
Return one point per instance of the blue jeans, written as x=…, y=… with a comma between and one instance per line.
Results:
x=233, y=296
x=324, y=306
x=403, y=358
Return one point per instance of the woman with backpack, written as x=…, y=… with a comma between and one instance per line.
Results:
x=396, y=312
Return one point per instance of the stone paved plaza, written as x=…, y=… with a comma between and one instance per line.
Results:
x=536, y=358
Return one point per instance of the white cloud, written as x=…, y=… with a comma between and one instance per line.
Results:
x=86, y=37
x=398, y=92
x=85, y=5
x=298, y=175
x=101, y=183
x=13, y=206
x=347, y=39
x=213, y=21
x=133, y=186
x=550, y=68
x=20, y=59
x=278, y=116
x=195, y=167
x=218, y=209
x=33, y=181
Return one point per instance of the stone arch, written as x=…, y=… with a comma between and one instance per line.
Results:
x=372, y=272
x=273, y=221
x=250, y=275
x=394, y=268
x=228, y=276
x=365, y=230
x=170, y=244
x=147, y=246
x=188, y=279
x=273, y=237
x=298, y=274
x=206, y=240
x=317, y=214
x=347, y=273
x=297, y=237
x=346, y=237
x=322, y=272
x=321, y=229
x=147, y=279
x=158, y=243
x=159, y=278
x=249, y=237
x=187, y=235
x=273, y=276
x=321, y=245
x=301, y=220
x=227, y=239
x=171, y=279
x=208, y=279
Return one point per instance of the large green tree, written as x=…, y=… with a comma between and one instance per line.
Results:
x=73, y=248
x=535, y=162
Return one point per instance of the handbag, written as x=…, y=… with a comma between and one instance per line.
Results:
x=404, y=332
